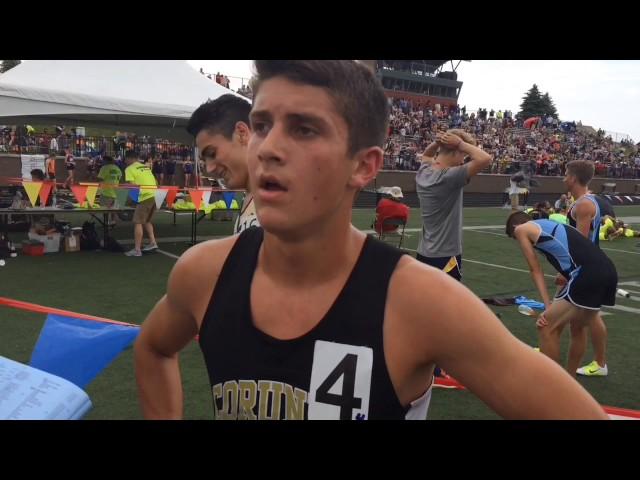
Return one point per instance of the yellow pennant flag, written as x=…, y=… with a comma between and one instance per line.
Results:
x=33, y=189
x=91, y=194
x=453, y=263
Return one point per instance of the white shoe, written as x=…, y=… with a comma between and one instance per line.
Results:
x=150, y=248
x=593, y=370
x=133, y=253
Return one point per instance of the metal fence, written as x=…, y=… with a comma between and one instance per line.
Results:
x=92, y=146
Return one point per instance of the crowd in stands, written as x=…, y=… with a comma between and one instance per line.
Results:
x=220, y=79
x=161, y=153
x=547, y=144
x=24, y=139
x=244, y=90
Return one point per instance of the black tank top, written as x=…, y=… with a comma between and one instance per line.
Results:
x=337, y=370
x=603, y=207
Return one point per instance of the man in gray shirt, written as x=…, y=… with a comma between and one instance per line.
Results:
x=447, y=165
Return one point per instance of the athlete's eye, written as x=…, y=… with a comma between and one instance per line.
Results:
x=305, y=131
x=260, y=128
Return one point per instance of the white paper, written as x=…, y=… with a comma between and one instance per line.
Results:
x=27, y=393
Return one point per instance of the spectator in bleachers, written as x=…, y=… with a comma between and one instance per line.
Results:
x=50, y=165
x=557, y=143
x=169, y=168
x=93, y=167
x=157, y=169
x=70, y=165
x=187, y=169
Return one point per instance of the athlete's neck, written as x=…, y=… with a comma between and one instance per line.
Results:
x=445, y=161
x=313, y=259
x=579, y=191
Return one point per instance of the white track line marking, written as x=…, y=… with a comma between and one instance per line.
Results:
x=615, y=307
x=477, y=230
x=622, y=251
x=168, y=254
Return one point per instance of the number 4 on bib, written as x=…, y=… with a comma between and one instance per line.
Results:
x=340, y=381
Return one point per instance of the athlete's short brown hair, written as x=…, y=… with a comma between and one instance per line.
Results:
x=583, y=170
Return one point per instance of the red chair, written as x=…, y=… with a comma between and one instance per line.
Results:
x=393, y=234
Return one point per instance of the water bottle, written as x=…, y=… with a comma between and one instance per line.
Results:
x=526, y=310
x=623, y=293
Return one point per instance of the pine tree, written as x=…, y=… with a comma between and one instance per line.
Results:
x=532, y=104
x=8, y=65
x=549, y=106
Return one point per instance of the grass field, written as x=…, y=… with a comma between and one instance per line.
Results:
x=125, y=289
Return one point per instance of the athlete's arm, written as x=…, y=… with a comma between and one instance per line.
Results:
x=617, y=233
x=448, y=325
x=479, y=159
x=526, y=235
x=171, y=325
x=584, y=213
x=430, y=152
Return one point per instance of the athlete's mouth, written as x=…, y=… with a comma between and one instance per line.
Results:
x=270, y=183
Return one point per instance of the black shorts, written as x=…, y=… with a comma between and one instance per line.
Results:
x=52, y=176
x=592, y=286
x=441, y=262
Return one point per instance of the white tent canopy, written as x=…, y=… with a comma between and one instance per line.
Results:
x=148, y=97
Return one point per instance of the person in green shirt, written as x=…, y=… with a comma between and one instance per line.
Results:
x=559, y=218
x=139, y=174
x=110, y=175
x=612, y=228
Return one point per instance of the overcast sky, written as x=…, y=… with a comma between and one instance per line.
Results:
x=601, y=93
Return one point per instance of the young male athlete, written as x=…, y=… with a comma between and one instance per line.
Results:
x=586, y=214
x=439, y=184
x=591, y=281
x=221, y=130
x=309, y=318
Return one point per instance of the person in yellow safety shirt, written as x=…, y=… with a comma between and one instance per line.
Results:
x=110, y=175
x=612, y=229
x=139, y=174
x=559, y=218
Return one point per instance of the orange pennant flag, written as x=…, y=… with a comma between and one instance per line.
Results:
x=44, y=192
x=196, y=197
x=171, y=197
x=80, y=192
x=32, y=188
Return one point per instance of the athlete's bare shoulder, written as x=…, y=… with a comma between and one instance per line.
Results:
x=419, y=293
x=195, y=274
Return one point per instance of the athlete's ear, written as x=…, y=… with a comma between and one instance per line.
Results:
x=243, y=132
x=366, y=164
